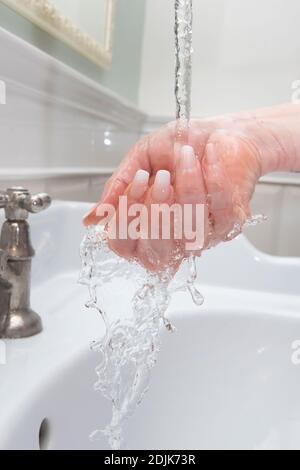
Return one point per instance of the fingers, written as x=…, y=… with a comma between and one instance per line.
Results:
x=156, y=247
x=124, y=242
x=199, y=136
x=120, y=180
x=221, y=194
x=90, y=217
x=118, y=183
x=189, y=180
x=191, y=195
x=114, y=188
x=152, y=153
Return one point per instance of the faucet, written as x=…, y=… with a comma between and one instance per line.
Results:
x=17, y=319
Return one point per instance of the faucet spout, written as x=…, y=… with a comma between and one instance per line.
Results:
x=17, y=319
x=5, y=294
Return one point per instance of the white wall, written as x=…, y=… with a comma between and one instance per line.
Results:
x=123, y=76
x=59, y=131
x=247, y=54
x=279, y=235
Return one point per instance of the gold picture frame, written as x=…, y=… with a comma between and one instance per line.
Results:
x=47, y=17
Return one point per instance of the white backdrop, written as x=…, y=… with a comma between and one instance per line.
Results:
x=247, y=54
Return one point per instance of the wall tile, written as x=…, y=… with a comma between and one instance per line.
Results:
x=34, y=185
x=84, y=188
x=96, y=185
x=71, y=189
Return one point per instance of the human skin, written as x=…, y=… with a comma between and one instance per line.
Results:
x=218, y=163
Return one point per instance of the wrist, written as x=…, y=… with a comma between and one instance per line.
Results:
x=277, y=138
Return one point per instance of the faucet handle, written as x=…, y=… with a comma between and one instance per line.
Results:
x=3, y=261
x=18, y=202
x=37, y=202
x=3, y=199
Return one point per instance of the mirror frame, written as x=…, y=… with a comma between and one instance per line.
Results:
x=49, y=18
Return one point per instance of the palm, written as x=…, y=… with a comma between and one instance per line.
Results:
x=224, y=180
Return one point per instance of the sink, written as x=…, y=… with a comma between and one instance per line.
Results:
x=227, y=379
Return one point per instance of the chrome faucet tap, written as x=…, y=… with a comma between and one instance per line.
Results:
x=17, y=320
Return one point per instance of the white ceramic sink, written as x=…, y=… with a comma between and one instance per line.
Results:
x=224, y=380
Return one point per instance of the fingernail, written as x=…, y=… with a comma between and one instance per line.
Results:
x=212, y=154
x=161, y=187
x=139, y=184
x=89, y=215
x=177, y=151
x=188, y=158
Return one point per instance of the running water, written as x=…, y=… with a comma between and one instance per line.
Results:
x=183, y=72
x=183, y=89
x=130, y=346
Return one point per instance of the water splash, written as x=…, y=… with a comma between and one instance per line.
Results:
x=132, y=339
x=255, y=220
x=183, y=88
x=252, y=221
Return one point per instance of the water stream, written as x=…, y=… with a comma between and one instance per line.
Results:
x=183, y=91
x=183, y=67
x=129, y=349
x=131, y=344
x=134, y=315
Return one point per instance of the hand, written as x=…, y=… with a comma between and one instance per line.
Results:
x=219, y=168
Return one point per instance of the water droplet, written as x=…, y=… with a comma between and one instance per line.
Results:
x=256, y=220
x=197, y=297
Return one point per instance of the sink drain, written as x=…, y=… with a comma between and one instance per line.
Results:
x=44, y=435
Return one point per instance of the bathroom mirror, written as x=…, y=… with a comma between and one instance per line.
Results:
x=85, y=25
